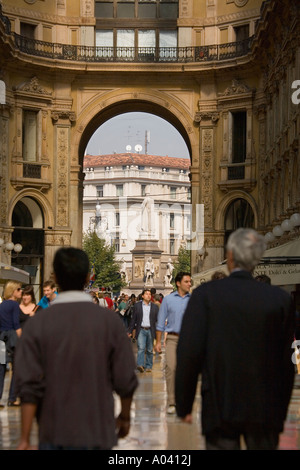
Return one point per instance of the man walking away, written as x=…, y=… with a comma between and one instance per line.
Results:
x=238, y=333
x=69, y=361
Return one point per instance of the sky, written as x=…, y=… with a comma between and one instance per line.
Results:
x=126, y=133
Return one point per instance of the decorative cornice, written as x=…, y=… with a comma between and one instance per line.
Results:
x=220, y=20
x=54, y=19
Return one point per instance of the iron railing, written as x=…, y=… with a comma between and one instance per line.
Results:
x=31, y=170
x=236, y=172
x=58, y=51
x=49, y=50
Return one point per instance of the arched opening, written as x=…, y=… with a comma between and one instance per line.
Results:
x=28, y=225
x=124, y=167
x=138, y=132
x=238, y=214
x=129, y=106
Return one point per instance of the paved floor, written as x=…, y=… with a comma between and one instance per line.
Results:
x=152, y=428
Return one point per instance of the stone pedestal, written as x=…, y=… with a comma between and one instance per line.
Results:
x=145, y=249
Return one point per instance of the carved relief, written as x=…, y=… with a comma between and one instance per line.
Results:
x=185, y=8
x=33, y=87
x=62, y=167
x=3, y=169
x=87, y=8
x=207, y=174
x=58, y=239
x=236, y=88
x=207, y=140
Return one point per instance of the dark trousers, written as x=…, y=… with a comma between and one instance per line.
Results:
x=2, y=376
x=256, y=437
x=11, y=393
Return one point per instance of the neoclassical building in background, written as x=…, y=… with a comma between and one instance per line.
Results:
x=224, y=73
x=130, y=197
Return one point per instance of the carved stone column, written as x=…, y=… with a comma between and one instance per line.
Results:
x=260, y=112
x=60, y=235
x=4, y=173
x=207, y=122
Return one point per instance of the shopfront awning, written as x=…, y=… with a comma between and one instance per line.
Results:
x=281, y=264
x=8, y=272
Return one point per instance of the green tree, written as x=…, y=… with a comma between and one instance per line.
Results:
x=102, y=259
x=183, y=262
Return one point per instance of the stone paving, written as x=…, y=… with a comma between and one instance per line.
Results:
x=152, y=428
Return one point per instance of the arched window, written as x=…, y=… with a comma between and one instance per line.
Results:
x=238, y=214
x=28, y=224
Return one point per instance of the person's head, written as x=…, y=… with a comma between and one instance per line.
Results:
x=218, y=275
x=263, y=278
x=49, y=289
x=94, y=297
x=245, y=248
x=183, y=282
x=12, y=290
x=146, y=295
x=71, y=268
x=153, y=290
x=28, y=295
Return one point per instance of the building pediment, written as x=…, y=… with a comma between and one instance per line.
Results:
x=33, y=89
x=235, y=89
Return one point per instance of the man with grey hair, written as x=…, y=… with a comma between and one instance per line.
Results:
x=237, y=333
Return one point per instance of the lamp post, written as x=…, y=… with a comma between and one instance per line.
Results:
x=9, y=248
x=287, y=225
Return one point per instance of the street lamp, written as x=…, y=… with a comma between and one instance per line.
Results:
x=13, y=249
x=287, y=225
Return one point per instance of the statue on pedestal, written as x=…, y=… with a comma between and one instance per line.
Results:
x=149, y=272
x=123, y=271
x=169, y=273
x=147, y=216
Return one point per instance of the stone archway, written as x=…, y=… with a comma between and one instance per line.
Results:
x=101, y=108
x=162, y=106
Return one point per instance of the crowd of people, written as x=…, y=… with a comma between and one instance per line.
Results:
x=235, y=331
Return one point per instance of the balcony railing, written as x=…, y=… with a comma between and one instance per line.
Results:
x=236, y=172
x=31, y=170
x=56, y=51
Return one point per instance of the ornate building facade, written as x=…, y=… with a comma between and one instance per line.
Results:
x=224, y=73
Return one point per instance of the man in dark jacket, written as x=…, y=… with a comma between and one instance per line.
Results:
x=237, y=333
x=144, y=318
x=69, y=361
